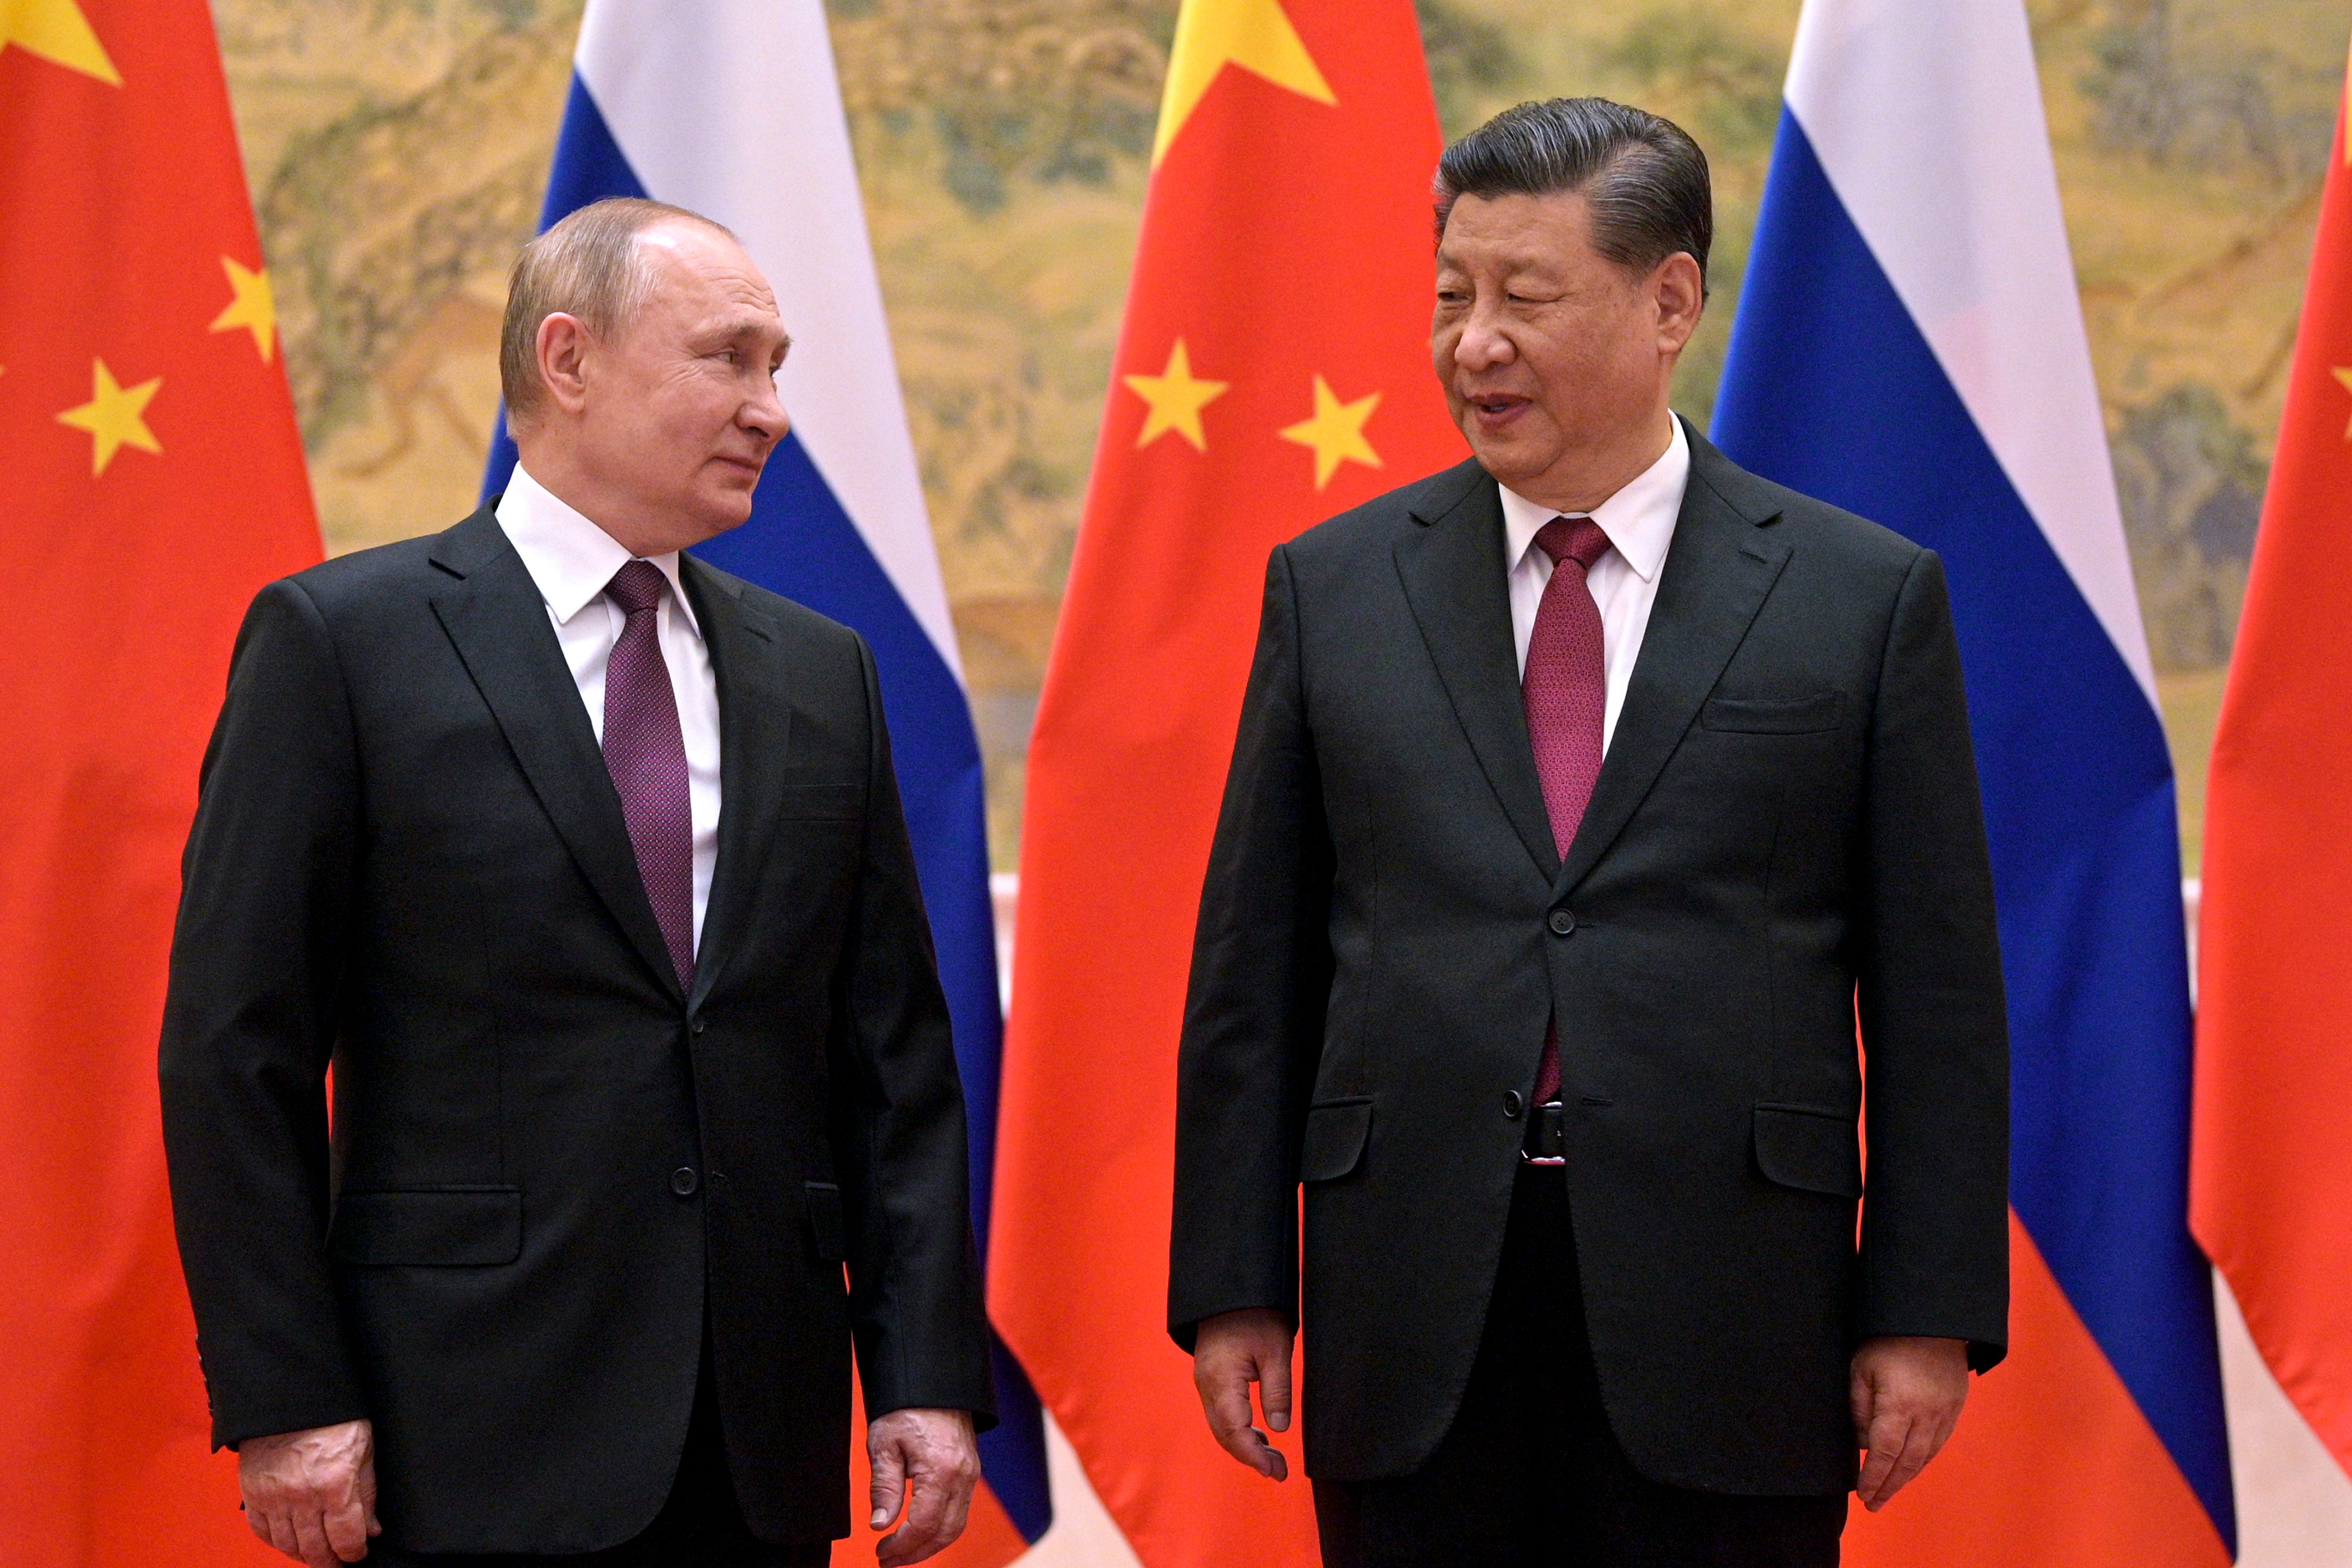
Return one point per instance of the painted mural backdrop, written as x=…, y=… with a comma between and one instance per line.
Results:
x=397, y=149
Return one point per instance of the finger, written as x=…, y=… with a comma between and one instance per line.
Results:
x=310, y=1539
x=889, y=1477
x=1273, y=1389
x=1888, y=1439
x=367, y=1495
x=346, y=1529
x=922, y=1538
x=281, y=1534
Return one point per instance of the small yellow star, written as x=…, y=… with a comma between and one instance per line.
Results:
x=2344, y=375
x=1255, y=35
x=58, y=32
x=1176, y=400
x=255, y=308
x=113, y=417
x=1337, y=432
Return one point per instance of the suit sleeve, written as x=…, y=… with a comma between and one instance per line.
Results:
x=1935, y=1226
x=1254, y=1015
x=898, y=1130
x=249, y=1022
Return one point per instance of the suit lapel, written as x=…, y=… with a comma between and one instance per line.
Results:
x=1457, y=584
x=493, y=612
x=1722, y=563
x=755, y=728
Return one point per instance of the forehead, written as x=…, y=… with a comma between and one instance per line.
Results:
x=1553, y=230
x=700, y=272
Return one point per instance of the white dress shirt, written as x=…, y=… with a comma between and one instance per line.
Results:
x=1639, y=522
x=571, y=559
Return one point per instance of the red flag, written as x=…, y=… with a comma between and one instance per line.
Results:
x=153, y=481
x=1272, y=370
x=2271, y=1169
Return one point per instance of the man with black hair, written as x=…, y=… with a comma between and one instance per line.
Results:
x=1585, y=796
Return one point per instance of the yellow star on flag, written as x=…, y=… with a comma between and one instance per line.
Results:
x=255, y=308
x=113, y=417
x=2344, y=375
x=1255, y=35
x=1176, y=400
x=1337, y=432
x=58, y=32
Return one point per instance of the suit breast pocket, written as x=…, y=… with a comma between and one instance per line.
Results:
x=1807, y=715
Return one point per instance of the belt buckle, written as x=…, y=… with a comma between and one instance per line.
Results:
x=1546, y=1140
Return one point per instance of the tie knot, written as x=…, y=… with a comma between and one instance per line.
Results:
x=637, y=586
x=1579, y=539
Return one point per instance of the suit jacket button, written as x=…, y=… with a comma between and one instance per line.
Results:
x=683, y=1181
x=1561, y=922
x=1512, y=1104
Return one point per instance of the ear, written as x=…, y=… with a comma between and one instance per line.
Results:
x=1679, y=294
x=563, y=347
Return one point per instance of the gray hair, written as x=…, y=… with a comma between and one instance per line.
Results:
x=1644, y=177
x=590, y=265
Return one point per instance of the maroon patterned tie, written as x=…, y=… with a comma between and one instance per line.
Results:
x=645, y=751
x=1566, y=689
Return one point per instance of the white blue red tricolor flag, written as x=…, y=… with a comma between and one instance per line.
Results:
x=1910, y=346
x=732, y=109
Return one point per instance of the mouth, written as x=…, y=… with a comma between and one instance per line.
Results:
x=1495, y=410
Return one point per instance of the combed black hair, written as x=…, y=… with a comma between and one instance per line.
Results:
x=1645, y=180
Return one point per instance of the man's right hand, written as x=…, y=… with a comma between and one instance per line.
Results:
x=312, y=1494
x=1230, y=1352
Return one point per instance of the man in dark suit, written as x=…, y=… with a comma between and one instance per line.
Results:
x=1582, y=794
x=582, y=864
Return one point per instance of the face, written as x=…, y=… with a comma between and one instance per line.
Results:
x=1555, y=359
x=674, y=417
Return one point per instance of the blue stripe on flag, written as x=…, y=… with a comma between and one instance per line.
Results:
x=800, y=543
x=1830, y=388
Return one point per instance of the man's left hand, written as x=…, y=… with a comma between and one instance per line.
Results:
x=1907, y=1393
x=930, y=1461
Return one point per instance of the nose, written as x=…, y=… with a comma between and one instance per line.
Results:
x=1483, y=344
x=763, y=414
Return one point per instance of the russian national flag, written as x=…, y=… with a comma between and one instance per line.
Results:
x=1910, y=346
x=732, y=108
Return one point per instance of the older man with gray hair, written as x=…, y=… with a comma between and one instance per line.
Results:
x=582, y=865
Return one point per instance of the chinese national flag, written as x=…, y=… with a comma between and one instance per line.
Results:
x=151, y=480
x=2271, y=1168
x=1272, y=370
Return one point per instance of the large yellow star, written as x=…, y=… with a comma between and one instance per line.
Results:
x=1254, y=35
x=255, y=308
x=1176, y=400
x=113, y=417
x=58, y=32
x=1337, y=432
x=2344, y=375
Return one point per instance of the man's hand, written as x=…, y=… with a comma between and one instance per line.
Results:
x=312, y=1494
x=1230, y=1352
x=1907, y=1393
x=930, y=1458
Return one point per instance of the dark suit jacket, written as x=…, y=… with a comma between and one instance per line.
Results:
x=546, y=1163
x=1787, y=820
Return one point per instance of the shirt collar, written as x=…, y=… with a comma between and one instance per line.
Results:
x=569, y=558
x=1639, y=519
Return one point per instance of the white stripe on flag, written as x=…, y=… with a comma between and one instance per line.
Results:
x=1926, y=115
x=732, y=108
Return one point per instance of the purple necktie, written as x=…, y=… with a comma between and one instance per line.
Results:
x=645, y=751
x=1566, y=689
